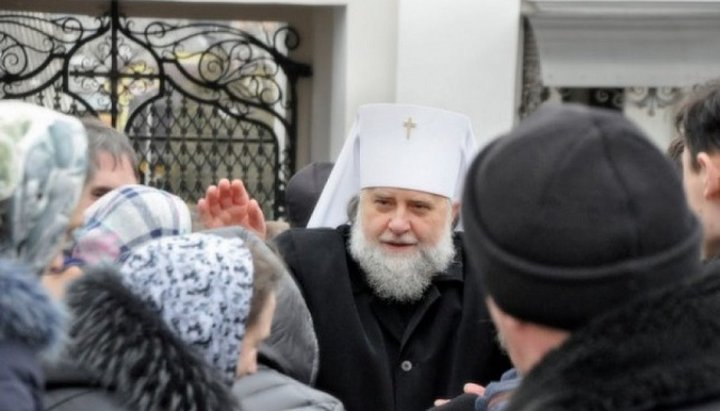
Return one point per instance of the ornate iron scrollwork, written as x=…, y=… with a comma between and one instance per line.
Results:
x=200, y=100
x=654, y=98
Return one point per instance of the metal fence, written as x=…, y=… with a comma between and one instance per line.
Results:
x=199, y=100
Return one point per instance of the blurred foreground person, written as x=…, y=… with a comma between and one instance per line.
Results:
x=42, y=166
x=698, y=123
x=590, y=255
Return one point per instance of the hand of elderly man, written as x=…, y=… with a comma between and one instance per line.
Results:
x=468, y=388
x=229, y=204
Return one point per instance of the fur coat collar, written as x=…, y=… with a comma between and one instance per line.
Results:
x=127, y=348
x=28, y=317
x=658, y=352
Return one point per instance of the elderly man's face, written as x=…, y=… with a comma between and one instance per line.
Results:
x=402, y=239
x=401, y=220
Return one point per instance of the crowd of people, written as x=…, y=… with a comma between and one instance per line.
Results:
x=567, y=265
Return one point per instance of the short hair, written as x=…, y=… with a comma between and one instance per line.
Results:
x=698, y=121
x=104, y=139
x=674, y=151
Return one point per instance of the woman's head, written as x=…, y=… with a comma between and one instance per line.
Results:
x=125, y=218
x=42, y=170
x=206, y=290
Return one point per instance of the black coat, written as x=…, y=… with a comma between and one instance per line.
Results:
x=129, y=359
x=659, y=352
x=367, y=359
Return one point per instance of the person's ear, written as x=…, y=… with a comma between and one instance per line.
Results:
x=710, y=171
x=455, y=211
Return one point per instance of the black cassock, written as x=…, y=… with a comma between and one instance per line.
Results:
x=376, y=355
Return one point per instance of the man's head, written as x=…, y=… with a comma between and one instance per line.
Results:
x=406, y=164
x=112, y=164
x=303, y=191
x=698, y=122
x=572, y=214
x=402, y=238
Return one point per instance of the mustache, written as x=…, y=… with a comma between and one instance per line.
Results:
x=404, y=239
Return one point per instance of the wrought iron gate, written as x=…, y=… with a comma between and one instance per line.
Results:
x=199, y=100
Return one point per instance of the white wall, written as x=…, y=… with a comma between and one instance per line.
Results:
x=461, y=55
x=370, y=51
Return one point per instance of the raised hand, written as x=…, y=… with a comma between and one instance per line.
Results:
x=229, y=204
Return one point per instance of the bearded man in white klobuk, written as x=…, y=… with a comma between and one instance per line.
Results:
x=400, y=320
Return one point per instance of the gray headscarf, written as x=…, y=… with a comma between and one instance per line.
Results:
x=42, y=170
x=200, y=285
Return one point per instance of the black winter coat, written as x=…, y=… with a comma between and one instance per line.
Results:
x=369, y=361
x=659, y=352
x=130, y=360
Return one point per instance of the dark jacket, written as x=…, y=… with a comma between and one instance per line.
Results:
x=369, y=361
x=270, y=390
x=288, y=361
x=29, y=324
x=130, y=359
x=659, y=352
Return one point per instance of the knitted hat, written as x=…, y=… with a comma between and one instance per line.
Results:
x=126, y=217
x=200, y=285
x=573, y=213
x=303, y=191
x=42, y=170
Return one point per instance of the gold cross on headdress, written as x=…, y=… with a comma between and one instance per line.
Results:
x=409, y=125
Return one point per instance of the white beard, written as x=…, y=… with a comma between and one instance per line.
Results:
x=401, y=277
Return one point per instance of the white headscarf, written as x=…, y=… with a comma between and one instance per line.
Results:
x=42, y=170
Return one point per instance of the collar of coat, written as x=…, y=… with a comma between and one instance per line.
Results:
x=657, y=352
x=28, y=318
x=127, y=347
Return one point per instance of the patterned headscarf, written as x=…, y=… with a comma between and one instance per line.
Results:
x=42, y=170
x=127, y=217
x=201, y=285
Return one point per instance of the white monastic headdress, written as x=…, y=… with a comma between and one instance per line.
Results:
x=402, y=146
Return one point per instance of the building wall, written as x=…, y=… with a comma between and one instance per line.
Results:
x=461, y=55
